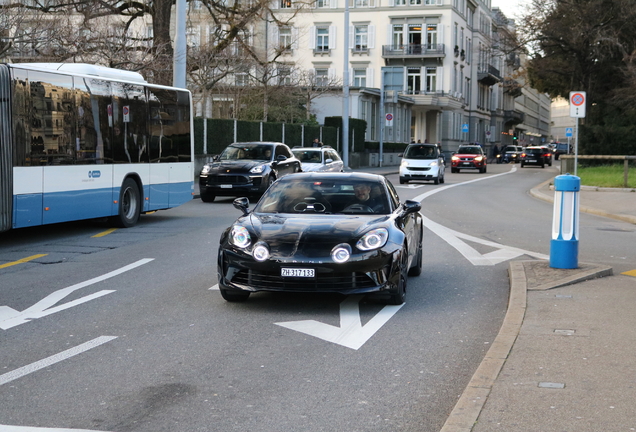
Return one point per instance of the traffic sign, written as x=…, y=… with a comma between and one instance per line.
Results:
x=126, y=111
x=389, y=119
x=465, y=128
x=569, y=132
x=577, y=104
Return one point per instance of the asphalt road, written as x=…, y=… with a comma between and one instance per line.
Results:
x=89, y=343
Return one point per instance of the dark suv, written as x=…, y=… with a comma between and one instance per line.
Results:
x=540, y=156
x=561, y=148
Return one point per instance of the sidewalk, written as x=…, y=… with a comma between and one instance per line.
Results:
x=564, y=358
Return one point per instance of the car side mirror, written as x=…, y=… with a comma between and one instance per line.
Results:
x=410, y=206
x=216, y=158
x=243, y=204
x=281, y=158
x=329, y=161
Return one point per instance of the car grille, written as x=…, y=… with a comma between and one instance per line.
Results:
x=419, y=168
x=321, y=283
x=228, y=179
x=468, y=159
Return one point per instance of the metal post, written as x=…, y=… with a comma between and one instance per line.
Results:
x=576, y=147
x=345, y=90
x=382, y=114
x=180, y=48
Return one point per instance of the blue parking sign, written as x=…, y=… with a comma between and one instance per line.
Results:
x=465, y=128
x=568, y=132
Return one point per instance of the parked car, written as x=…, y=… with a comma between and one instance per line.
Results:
x=323, y=158
x=469, y=157
x=310, y=232
x=246, y=169
x=511, y=153
x=560, y=149
x=536, y=155
x=422, y=162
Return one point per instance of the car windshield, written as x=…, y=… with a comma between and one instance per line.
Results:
x=342, y=196
x=420, y=152
x=510, y=149
x=308, y=156
x=469, y=150
x=247, y=152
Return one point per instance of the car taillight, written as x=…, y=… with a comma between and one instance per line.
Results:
x=523, y=155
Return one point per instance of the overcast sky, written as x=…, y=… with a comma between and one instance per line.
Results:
x=508, y=7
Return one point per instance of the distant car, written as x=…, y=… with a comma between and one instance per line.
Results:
x=246, y=169
x=324, y=159
x=422, y=162
x=536, y=155
x=560, y=149
x=469, y=157
x=310, y=233
x=511, y=153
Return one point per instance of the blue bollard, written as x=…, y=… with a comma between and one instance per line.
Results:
x=564, y=246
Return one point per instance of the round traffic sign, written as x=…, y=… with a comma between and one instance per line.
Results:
x=389, y=117
x=577, y=99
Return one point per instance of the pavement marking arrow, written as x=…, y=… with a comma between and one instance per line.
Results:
x=10, y=317
x=351, y=333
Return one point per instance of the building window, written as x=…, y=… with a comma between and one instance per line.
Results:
x=241, y=79
x=431, y=36
x=398, y=36
x=415, y=2
x=400, y=2
x=285, y=38
x=285, y=4
x=322, y=3
x=322, y=77
x=322, y=39
x=359, y=77
x=284, y=75
x=361, y=3
x=361, y=38
x=414, y=80
x=431, y=79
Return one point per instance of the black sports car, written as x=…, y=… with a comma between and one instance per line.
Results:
x=323, y=232
x=246, y=169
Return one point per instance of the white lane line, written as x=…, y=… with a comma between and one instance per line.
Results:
x=8, y=428
x=34, y=367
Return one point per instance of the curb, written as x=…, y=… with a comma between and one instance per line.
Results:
x=535, y=192
x=472, y=401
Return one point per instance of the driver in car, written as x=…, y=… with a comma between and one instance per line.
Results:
x=363, y=198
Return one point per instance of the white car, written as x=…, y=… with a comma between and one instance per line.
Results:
x=422, y=162
x=319, y=159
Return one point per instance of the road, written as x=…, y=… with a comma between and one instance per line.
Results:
x=123, y=330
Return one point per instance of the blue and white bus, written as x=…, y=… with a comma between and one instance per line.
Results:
x=79, y=141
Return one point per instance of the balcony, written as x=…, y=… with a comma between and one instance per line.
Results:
x=413, y=51
x=512, y=87
x=488, y=75
x=513, y=117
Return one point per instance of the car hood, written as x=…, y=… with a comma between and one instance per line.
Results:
x=236, y=165
x=419, y=162
x=311, y=236
x=465, y=155
x=309, y=167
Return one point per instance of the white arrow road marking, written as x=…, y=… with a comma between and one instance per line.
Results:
x=10, y=317
x=503, y=253
x=411, y=186
x=7, y=428
x=351, y=333
x=56, y=358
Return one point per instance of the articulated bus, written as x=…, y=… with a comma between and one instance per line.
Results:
x=80, y=141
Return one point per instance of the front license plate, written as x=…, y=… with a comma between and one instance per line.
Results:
x=297, y=272
x=467, y=164
x=532, y=160
x=226, y=186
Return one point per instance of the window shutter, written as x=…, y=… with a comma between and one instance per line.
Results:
x=391, y=3
x=294, y=33
x=371, y=36
x=331, y=74
x=312, y=37
x=352, y=37
x=439, y=79
x=372, y=3
x=275, y=33
x=389, y=34
x=332, y=37
x=440, y=33
x=351, y=77
x=370, y=77
x=333, y=4
x=275, y=4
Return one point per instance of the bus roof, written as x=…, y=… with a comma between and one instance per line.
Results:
x=88, y=69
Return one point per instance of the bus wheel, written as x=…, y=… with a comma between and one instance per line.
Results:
x=129, y=205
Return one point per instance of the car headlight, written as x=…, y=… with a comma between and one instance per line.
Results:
x=434, y=164
x=261, y=252
x=240, y=236
x=455, y=158
x=341, y=253
x=374, y=239
x=479, y=158
x=205, y=169
x=258, y=169
x=404, y=163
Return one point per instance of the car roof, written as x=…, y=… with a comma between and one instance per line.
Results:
x=311, y=148
x=331, y=176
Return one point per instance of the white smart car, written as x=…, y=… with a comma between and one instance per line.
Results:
x=422, y=162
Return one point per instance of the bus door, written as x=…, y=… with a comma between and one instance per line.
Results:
x=6, y=145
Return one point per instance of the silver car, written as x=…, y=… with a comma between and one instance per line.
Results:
x=318, y=159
